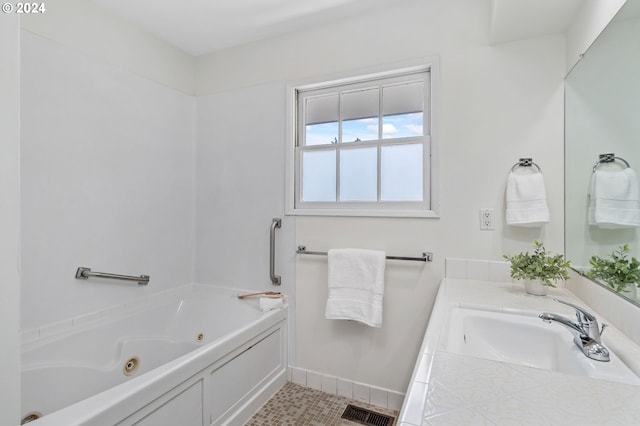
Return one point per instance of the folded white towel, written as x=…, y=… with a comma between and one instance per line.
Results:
x=356, y=285
x=614, y=200
x=269, y=303
x=526, y=200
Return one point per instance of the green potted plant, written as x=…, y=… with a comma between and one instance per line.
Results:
x=619, y=271
x=539, y=270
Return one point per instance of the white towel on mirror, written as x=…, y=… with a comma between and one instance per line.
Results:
x=614, y=200
x=526, y=200
x=356, y=285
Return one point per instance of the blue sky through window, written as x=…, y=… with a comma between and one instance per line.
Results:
x=365, y=129
x=322, y=134
x=402, y=125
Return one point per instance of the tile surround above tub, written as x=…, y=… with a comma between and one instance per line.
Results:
x=113, y=312
x=474, y=269
x=107, y=314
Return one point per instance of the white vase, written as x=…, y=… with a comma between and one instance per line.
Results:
x=536, y=287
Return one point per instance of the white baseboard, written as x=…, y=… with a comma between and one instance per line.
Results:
x=369, y=394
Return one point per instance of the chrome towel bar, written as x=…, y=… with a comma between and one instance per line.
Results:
x=85, y=273
x=426, y=256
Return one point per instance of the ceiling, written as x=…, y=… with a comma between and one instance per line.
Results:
x=203, y=26
x=518, y=19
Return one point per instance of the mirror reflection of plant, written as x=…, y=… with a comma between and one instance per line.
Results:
x=539, y=265
x=618, y=270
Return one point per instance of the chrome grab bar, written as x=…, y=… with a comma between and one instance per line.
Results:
x=85, y=273
x=275, y=279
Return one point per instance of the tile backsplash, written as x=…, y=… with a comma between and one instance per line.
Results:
x=473, y=269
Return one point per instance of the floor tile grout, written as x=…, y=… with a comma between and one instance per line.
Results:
x=300, y=406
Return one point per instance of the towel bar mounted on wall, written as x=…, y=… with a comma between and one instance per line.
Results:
x=525, y=162
x=426, y=256
x=84, y=274
x=608, y=158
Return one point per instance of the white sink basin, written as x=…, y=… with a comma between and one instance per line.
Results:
x=527, y=341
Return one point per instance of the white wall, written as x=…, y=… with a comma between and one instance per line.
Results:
x=240, y=180
x=497, y=103
x=89, y=28
x=591, y=19
x=9, y=219
x=107, y=182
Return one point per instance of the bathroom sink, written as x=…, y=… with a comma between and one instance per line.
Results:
x=525, y=340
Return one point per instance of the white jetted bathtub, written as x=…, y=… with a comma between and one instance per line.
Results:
x=196, y=355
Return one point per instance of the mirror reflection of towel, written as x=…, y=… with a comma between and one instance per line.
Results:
x=614, y=200
x=526, y=200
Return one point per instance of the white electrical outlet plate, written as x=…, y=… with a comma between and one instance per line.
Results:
x=486, y=220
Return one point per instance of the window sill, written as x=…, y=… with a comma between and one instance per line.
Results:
x=423, y=214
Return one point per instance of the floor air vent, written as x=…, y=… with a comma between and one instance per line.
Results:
x=366, y=417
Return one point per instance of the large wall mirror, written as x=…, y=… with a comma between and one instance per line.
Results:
x=602, y=116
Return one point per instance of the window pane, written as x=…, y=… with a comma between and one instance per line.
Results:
x=365, y=129
x=319, y=175
x=360, y=111
x=401, y=173
x=321, y=134
x=402, y=125
x=402, y=110
x=321, y=120
x=359, y=174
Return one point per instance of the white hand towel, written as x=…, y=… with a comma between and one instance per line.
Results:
x=526, y=200
x=614, y=200
x=356, y=285
x=269, y=303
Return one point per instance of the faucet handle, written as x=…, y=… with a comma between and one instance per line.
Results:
x=582, y=314
x=602, y=328
x=586, y=320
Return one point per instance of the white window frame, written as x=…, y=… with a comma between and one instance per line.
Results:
x=428, y=209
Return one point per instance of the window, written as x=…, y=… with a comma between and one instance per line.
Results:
x=363, y=146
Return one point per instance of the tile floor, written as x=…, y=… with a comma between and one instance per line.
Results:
x=299, y=406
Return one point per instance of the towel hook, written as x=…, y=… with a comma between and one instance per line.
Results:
x=525, y=162
x=609, y=158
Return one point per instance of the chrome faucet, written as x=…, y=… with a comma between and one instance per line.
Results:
x=586, y=333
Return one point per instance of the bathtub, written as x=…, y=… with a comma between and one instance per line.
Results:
x=195, y=355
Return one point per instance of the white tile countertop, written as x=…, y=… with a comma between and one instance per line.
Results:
x=451, y=389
